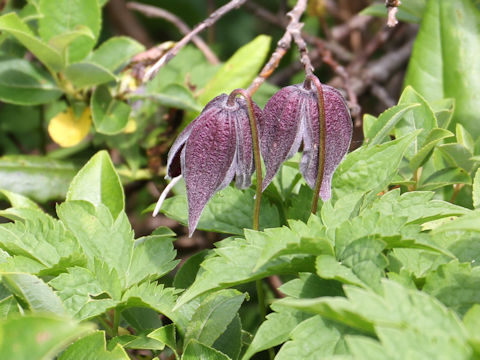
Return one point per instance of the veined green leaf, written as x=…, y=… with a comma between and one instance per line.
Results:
x=98, y=183
x=92, y=347
x=116, y=52
x=85, y=74
x=195, y=351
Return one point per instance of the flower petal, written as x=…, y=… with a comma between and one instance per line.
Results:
x=280, y=137
x=207, y=159
x=173, y=160
x=337, y=139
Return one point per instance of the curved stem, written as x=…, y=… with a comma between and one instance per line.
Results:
x=321, y=146
x=256, y=150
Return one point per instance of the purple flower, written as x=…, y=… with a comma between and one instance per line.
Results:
x=212, y=150
x=290, y=118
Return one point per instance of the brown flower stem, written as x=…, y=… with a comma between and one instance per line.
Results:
x=256, y=151
x=212, y=19
x=283, y=45
x=321, y=148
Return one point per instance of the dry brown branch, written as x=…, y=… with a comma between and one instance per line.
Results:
x=392, y=6
x=152, y=11
x=293, y=29
x=233, y=4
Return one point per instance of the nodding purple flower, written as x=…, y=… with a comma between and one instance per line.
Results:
x=291, y=117
x=212, y=150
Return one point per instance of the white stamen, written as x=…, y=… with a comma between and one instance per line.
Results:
x=164, y=193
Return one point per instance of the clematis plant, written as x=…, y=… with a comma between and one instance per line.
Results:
x=315, y=115
x=213, y=149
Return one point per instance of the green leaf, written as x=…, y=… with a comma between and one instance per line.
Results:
x=423, y=154
x=173, y=95
x=142, y=318
x=63, y=16
x=212, y=317
x=62, y=41
x=437, y=73
x=38, y=337
x=86, y=74
x=152, y=258
x=38, y=178
x=421, y=117
x=314, y=338
x=369, y=168
x=239, y=70
x=464, y=138
x=19, y=201
x=101, y=236
x=383, y=126
x=328, y=267
x=185, y=276
x=197, y=351
x=114, y=53
x=444, y=110
x=98, y=183
x=455, y=285
x=93, y=347
x=275, y=330
x=48, y=55
x=234, y=261
x=37, y=295
x=77, y=289
x=8, y=307
x=471, y=320
x=476, y=190
x=110, y=115
x=23, y=84
x=230, y=342
x=399, y=317
x=42, y=239
x=445, y=177
x=469, y=222
x=218, y=215
x=457, y=155
x=167, y=335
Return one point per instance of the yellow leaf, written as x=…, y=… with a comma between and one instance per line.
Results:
x=66, y=130
x=131, y=126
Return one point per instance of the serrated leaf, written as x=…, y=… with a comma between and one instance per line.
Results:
x=385, y=123
x=234, y=261
x=239, y=70
x=197, y=351
x=152, y=295
x=433, y=138
x=49, y=56
x=93, y=347
x=421, y=117
x=399, y=317
x=116, y=52
x=22, y=83
x=275, y=330
x=77, y=289
x=110, y=115
x=67, y=130
x=38, y=337
x=86, y=74
x=42, y=239
x=314, y=338
x=218, y=215
x=369, y=168
x=137, y=341
x=212, y=317
x=153, y=257
x=63, y=16
x=38, y=178
x=167, y=335
x=455, y=285
x=100, y=235
x=436, y=73
x=19, y=201
x=37, y=295
x=8, y=307
x=328, y=267
x=98, y=183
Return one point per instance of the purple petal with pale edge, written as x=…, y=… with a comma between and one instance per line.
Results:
x=280, y=137
x=208, y=159
x=338, y=136
x=244, y=154
x=311, y=138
